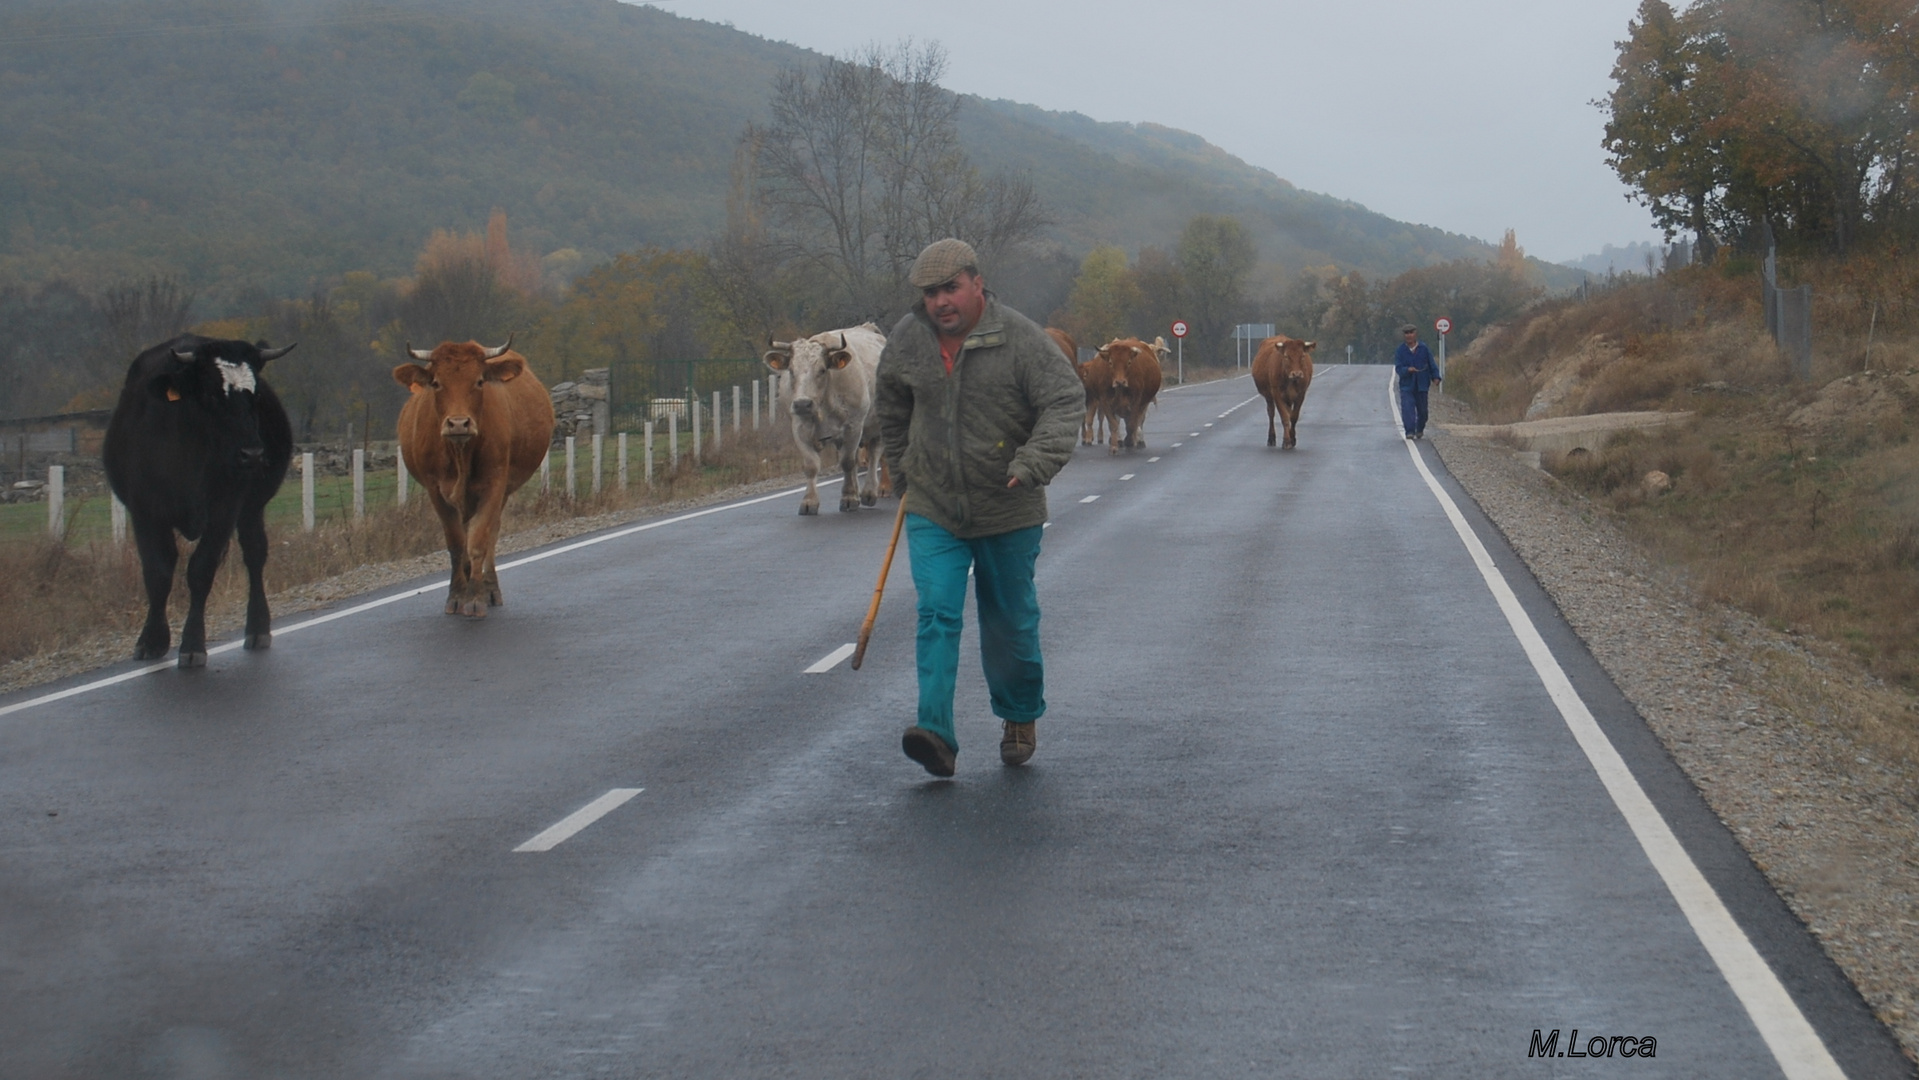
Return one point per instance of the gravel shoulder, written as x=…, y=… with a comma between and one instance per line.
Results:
x=1781, y=735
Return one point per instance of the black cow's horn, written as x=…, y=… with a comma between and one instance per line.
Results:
x=275, y=354
x=842, y=342
x=422, y=355
x=492, y=354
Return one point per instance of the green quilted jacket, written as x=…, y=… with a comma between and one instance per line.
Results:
x=1011, y=407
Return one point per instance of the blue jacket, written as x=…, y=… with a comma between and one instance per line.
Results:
x=1415, y=367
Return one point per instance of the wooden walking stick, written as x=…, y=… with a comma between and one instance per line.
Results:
x=873, y=611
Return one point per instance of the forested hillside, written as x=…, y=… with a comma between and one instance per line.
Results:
x=253, y=148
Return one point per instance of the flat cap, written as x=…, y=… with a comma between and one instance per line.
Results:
x=941, y=262
x=1409, y=328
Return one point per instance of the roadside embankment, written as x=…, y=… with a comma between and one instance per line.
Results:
x=1800, y=750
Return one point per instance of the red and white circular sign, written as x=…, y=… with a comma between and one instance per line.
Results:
x=1179, y=328
x=1443, y=325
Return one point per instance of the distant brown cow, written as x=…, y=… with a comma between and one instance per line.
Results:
x=1135, y=383
x=477, y=426
x=1096, y=375
x=1281, y=373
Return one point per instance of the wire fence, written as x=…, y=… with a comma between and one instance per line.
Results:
x=649, y=390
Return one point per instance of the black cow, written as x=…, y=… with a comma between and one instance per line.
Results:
x=198, y=444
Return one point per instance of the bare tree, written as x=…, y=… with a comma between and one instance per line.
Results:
x=143, y=314
x=861, y=167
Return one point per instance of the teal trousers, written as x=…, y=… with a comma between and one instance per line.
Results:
x=1008, y=620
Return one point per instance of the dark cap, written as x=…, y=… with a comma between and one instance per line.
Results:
x=941, y=262
x=1409, y=328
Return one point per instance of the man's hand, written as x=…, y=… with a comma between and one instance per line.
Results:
x=1012, y=481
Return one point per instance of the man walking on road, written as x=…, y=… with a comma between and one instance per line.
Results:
x=1413, y=364
x=978, y=410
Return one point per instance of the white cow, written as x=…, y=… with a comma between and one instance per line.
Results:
x=831, y=377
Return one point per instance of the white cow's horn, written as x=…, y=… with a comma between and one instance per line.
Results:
x=422, y=355
x=183, y=354
x=492, y=354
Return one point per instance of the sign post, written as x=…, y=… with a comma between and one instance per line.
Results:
x=1444, y=326
x=1179, y=338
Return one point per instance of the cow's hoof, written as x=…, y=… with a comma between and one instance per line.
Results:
x=452, y=605
x=474, y=609
x=847, y=506
x=259, y=641
x=869, y=498
x=809, y=511
x=144, y=651
x=195, y=659
x=494, y=599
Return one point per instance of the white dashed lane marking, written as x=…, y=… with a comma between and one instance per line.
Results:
x=1208, y=425
x=1089, y=498
x=1178, y=445
x=1129, y=476
x=831, y=660
x=563, y=830
x=1150, y=460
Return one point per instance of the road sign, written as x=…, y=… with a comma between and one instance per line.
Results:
x=1443, y=325
x=1179, y=328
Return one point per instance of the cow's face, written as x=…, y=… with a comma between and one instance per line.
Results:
x=1122, y=355
x=456, y=374
x=809, y=365
x=216, y=382
x=1294, y=356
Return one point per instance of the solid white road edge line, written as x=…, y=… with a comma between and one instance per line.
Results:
x=1788, y=1034
x=562, y=830
x=831, y=660
x=282, y=631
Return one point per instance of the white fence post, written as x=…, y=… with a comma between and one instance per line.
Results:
x=646, y=441
x=673, y=439
x=117, y=511
x=622, y=461
x=599, y=448
x=569, y=466
x=756, y=404
x=359, y=484
x=717, y=424
x=306, y=491
x=546, y=471
x=693, y=404
x=399, y=470
x=736, y=408
x=772, y=395
x=56, y=501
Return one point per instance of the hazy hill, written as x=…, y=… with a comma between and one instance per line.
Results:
x=255, y=146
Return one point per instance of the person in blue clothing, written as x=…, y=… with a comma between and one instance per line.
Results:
x=1413, y=363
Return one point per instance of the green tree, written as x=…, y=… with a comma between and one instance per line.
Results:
x=1104, y=298
x=1215, y=255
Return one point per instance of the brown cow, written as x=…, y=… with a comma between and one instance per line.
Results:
x=477, y=426
x=1281, y=373
x=1135, y=383
x=1095, y=375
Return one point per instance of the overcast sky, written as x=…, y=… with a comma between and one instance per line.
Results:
x=1473, y=116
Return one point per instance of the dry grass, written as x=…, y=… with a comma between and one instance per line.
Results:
x=55, y=598
x=1797, y=502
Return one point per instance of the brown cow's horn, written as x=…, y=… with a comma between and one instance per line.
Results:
x=494, y=354
x=275, y=354
x=422, y=355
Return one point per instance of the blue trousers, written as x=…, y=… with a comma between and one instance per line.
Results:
x=1412, y=408
x=1008, y=620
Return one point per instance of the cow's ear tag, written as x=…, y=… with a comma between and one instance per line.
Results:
x=172, y=394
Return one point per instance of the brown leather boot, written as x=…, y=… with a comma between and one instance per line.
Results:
x=929, y=750
x=1018, y=741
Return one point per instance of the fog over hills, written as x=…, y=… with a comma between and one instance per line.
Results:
x=256, y=147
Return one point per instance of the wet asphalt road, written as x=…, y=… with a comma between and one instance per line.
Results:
x=1301, y=807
